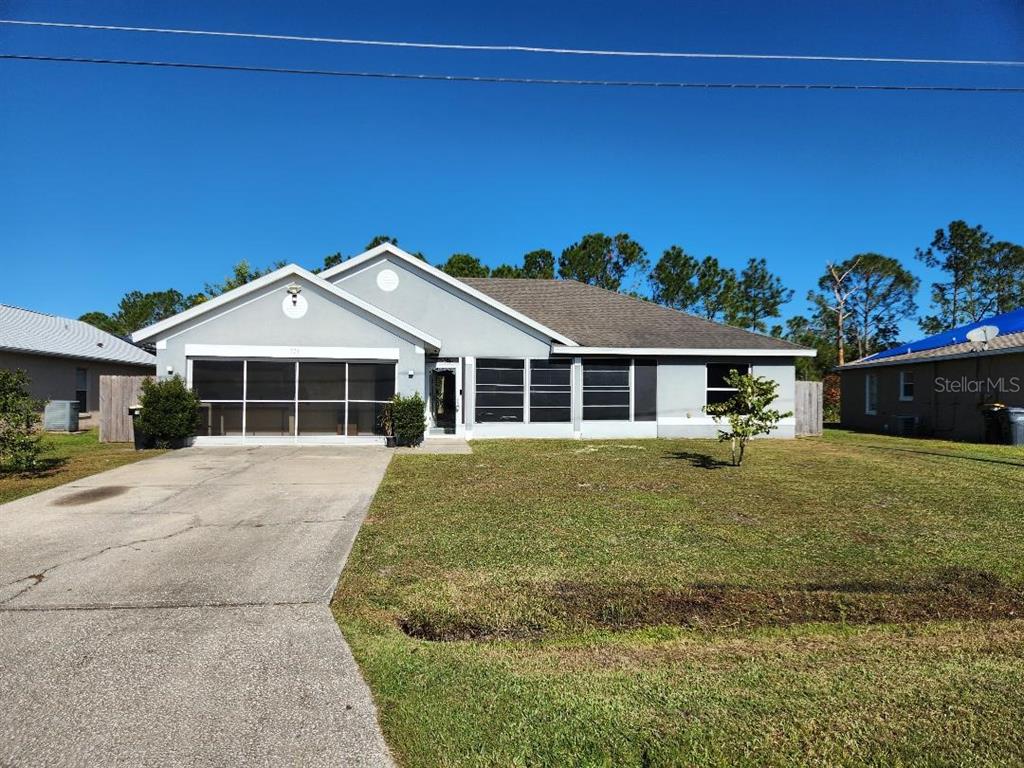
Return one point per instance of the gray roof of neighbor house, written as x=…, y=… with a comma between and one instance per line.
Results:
x=595, y=317
x=1005, y=345
x=22, y=330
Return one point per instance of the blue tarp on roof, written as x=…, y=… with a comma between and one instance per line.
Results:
x=1010, y=322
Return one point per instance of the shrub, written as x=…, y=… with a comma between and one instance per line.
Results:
x=748, y=412
x=20, y=448
x=170, y=411
x=406, y=418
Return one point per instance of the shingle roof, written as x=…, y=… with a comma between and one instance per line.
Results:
x=23, y=330
x=595, y=317
x=1006, y=344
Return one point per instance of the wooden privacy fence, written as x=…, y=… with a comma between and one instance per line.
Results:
x=117, y=395
x=808, y=409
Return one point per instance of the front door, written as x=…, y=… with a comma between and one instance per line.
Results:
x=445, y=387
x=444, y=400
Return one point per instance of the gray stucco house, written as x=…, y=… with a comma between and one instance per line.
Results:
x=65, y=358
x=300, y=357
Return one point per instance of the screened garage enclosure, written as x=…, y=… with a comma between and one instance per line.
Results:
x=291, y=398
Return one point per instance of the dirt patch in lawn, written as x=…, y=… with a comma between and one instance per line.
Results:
x=950, y=594
x=91, y=495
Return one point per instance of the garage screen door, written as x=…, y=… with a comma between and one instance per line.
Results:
x=274, y=398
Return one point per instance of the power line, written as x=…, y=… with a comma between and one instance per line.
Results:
x=520, y=80
x=519, y=48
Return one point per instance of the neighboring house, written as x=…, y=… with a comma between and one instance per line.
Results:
x=299, y=357
x=937, y=386
x=65, y=358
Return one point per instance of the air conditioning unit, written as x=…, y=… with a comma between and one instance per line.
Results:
x=61, y=416
x=906, y=426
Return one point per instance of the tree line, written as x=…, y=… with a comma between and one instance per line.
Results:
x=855, y=310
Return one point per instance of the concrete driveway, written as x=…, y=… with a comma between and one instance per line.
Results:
x=174, y=612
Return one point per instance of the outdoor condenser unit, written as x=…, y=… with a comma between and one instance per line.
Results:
x=61, y=416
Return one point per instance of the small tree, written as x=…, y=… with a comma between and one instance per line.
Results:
x=748, y=411
x=170, y=411
x=20, y=448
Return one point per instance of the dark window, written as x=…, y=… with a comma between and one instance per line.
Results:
x=364, y=418
x=217, y=379
x=269, y=381
x=606, y=390
x=371, y=381
x=645, y=390
x=499, y=390
x=82, y=389
x=551, y=390
x=717, y=373
x=322, y=381
x=719, y=390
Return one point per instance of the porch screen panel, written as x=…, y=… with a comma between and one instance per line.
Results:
x=500, y=392
x=645, y=390
x=219, y=384
x=606, y=394
x=322, y=398
x=550, y=390
x=370, y=386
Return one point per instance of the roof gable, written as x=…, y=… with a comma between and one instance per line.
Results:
x=290, y=270
x=462, y=285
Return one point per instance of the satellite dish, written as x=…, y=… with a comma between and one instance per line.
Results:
x=983, y=334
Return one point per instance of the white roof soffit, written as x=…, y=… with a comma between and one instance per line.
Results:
x=394, y=250
x=268, y=279
x=683, y=351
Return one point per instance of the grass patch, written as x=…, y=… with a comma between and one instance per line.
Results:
x=851, y=599
x=72, y=456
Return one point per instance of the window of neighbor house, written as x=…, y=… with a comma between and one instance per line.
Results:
x=871, y=394
x=906, y=385
x=82, y=389
x=718, y=389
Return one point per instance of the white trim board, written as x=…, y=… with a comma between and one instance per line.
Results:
x=682, y=352
x=289, y=270
x=390, y=354
x=409, y=259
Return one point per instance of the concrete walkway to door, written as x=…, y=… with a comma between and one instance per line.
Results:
x=175, y=612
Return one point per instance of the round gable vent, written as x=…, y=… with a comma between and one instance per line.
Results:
x=294, y=306
x=387, y=280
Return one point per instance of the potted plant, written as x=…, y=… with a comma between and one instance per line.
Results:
x=387, y=423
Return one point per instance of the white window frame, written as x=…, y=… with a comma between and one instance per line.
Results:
x=707, y=365
x=904, y=398
x=870, y=383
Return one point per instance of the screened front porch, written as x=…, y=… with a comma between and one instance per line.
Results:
x=287, y=401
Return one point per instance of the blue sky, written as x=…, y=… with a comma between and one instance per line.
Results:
x=121, y=178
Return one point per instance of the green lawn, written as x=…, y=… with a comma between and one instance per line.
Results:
x=851, y=599
x=73, y=456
